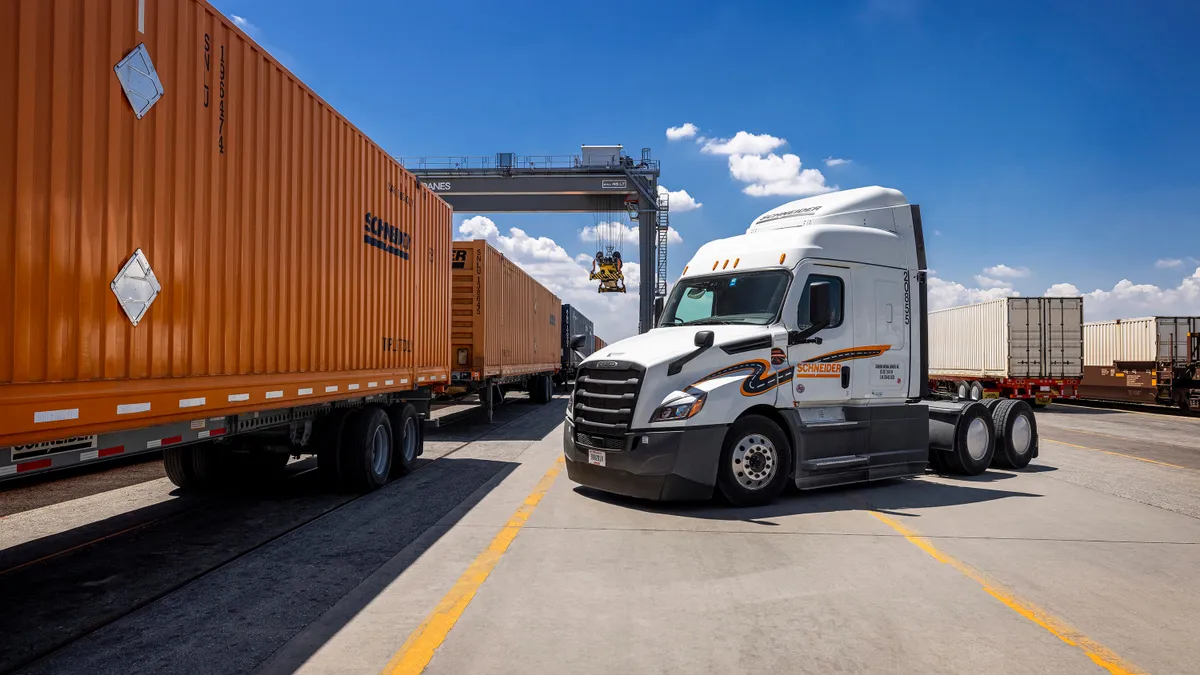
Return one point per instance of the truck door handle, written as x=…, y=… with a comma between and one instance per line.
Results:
x=845, y=377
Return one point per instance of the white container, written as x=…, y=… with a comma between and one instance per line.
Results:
x=1008, y=338
x=1143, y=340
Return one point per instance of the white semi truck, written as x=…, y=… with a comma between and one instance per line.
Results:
x=795, y=353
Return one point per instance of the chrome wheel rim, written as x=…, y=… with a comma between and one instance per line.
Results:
x=977, y=439
x=379, y=451
x=754, y=461
x=410, y=439
x=1022, y=435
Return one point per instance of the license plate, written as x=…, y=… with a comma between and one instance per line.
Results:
x=1045, y=387
x=596, y=457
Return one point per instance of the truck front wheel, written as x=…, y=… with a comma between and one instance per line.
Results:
x=756, y=462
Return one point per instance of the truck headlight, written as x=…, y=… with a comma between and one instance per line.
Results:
x=679, y=408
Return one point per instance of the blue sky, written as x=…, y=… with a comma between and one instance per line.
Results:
x=1048, y=143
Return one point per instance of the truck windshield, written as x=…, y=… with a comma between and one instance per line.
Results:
x=749, y=298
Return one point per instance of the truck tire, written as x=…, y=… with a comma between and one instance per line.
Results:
x=407, y=438
x=211, y=467
x=964, y=391
x=756, y=462
x=325, y=441
x=540, y=389
x=365, y=453
x=937, y=461
x=256, y=466
x=1016, y=434
x=976, y=391
x=974, y=443
x=178, y=463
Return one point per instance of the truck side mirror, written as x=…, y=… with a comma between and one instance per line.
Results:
x=576, y=342
x=819, y=314
x=704, y=339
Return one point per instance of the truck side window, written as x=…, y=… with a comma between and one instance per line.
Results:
x=837, y=300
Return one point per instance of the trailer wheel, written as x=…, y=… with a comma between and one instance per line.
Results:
x=406, y=428
x=539, y=389
x=974, y=444
x=1016, y=434
x=976, y=392
x=964, y=391
x=325, y=440
x=756, y=462
x=178, y=463
x=365, y=453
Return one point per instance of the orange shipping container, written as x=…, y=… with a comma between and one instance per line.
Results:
x=297, y=261
x=504, y=322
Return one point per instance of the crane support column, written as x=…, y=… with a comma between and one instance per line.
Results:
x=647, y=265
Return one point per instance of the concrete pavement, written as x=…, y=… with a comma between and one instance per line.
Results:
x=1086, y=559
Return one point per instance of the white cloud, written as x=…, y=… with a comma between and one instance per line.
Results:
x=247, y=27
x=1128, y=300
x=1168, y=263
x=943, y=294
x=679, y=200
x=776, y=175
x=988, y=282
x=742, y=143
x=686, y=130
x=614, y=314
x=1006, y=272
x=834, y=161
x=627, y=234
x=937, y=233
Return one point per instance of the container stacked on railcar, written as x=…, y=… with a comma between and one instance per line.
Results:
x=1145, y=360
x=505, y=326
x=1030, y=348
x=200, y=246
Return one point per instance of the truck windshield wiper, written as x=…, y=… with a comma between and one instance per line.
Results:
x=706, y=322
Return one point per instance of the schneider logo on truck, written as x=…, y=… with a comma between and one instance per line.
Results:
x=787, y=354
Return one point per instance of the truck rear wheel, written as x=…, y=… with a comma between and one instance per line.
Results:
x=406, y=427
x=974, y=443
x=976, y=392
x=1016, y=434
x=365, y=453
x=964, y=391
x=756, y=462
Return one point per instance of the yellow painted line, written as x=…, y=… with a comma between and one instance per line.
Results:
x=1117, y=454
x=1098, y=653
x=418, y=649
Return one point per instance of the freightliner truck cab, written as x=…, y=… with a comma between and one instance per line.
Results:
x=792, y=353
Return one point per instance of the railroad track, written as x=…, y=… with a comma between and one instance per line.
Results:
x=1152, y=408
x=209, y=523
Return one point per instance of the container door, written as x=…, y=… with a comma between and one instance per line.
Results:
x=1063, y=344
x=1025, y=337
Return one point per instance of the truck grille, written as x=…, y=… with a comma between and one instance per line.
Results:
x=604, y=403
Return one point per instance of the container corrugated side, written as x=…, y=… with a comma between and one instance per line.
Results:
x=253, y=201
x=1130, y=340
x=971, y=340
x=1008, y=338
x=508, y=322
